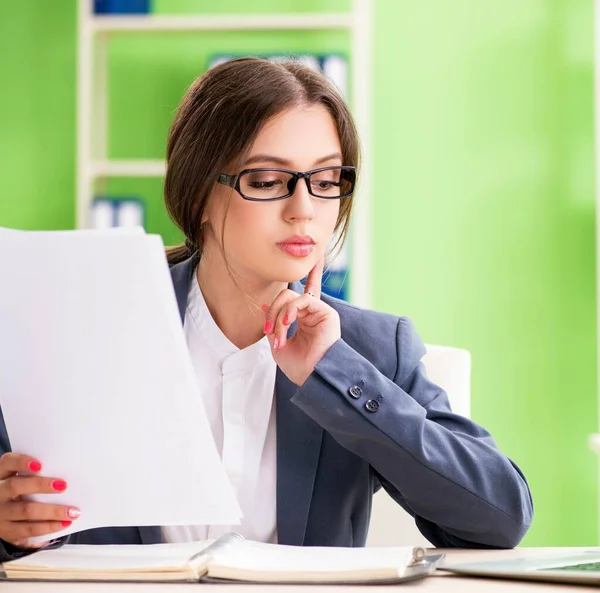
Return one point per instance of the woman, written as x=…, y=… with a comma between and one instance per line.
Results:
x=314, y=404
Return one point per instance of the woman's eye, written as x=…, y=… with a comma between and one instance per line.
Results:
x=264, y=184
x=322, y=184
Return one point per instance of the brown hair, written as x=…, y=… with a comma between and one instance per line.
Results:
x=217, y=122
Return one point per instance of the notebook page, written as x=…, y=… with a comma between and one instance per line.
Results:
x=121, y=558
x=273, y=558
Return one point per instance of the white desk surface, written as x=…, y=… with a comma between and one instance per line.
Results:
x=443, y=582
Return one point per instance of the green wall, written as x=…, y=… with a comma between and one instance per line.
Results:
x=484, y=114
x=485, y=236
x=37, y=114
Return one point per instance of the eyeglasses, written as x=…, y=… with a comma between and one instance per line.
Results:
x=268, y=185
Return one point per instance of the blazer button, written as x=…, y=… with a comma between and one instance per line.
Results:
x=355, y=391
x=372, y=405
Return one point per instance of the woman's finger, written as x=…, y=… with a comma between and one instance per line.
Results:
x=13, y=463
x=24, y=510
x=280, y=300
x=313, y=281
x=291, y=311
x=21, y=531
x=16, y=486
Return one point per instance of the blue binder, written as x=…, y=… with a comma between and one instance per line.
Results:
x=121, y=6
x=117, y=212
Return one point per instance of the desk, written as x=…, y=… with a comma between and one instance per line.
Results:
x=442, y=582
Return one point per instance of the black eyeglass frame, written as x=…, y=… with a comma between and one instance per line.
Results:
x=349, y=173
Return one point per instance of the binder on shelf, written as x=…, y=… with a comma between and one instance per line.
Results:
x=335, y=283
x=315, y=61
x=117, y=212
x=121, y=6
x=335, y=67
x=310, y=60
x=335, y=280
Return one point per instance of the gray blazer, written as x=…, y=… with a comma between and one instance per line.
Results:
x=368, y=417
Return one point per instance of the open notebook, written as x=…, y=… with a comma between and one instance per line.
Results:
x=231, y=557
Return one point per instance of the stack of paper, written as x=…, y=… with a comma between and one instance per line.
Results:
x=96, y=380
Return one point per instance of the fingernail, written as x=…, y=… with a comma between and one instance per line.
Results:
x=264, y=307
x=35, y=466
x=268, y=326
x=275, y=343
x=59, y=485
x=66, y=523
x=285, y=319
x=74, y=513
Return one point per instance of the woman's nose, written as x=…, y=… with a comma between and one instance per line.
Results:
x=300, y=205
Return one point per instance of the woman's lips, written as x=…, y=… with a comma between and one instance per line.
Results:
x=297, y=249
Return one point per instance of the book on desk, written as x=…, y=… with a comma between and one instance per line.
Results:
x=229, y=558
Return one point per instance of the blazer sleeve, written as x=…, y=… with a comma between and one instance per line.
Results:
x=441, y=467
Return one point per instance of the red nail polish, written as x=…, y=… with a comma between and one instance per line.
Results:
x=35, y=466
x=59, y=485
x=275, y=343
x=268, y=326
x=285, y=319
x=66, y=523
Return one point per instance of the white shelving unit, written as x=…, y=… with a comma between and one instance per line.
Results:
x=221, y=22
x=93, y=165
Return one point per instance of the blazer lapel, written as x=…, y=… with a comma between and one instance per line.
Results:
x=181, y=274
x=298, y=449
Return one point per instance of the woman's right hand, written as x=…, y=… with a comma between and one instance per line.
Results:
x=21, y=519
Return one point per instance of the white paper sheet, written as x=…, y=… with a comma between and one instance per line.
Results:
x=96, y=381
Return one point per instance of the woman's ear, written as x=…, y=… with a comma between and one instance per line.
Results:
x=206, y=212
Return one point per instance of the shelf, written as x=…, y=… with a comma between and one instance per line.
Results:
x=221, y=22
x=93, y=48
x=133, y=168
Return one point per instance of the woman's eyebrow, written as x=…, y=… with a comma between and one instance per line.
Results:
x=268, y=158
x=331, y=157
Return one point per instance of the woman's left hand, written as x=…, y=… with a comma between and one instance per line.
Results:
x=318, y=328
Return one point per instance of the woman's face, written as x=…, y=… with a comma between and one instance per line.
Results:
x=279, y=241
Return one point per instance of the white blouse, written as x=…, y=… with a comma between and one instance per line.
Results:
x=237, y=388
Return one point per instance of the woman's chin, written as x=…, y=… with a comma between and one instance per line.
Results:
x=294, y=273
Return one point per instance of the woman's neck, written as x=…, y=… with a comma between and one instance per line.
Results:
x=235, y=305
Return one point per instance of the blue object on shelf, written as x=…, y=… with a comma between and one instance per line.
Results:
x=121, y=6
x=109, y=212
x=335, y=283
